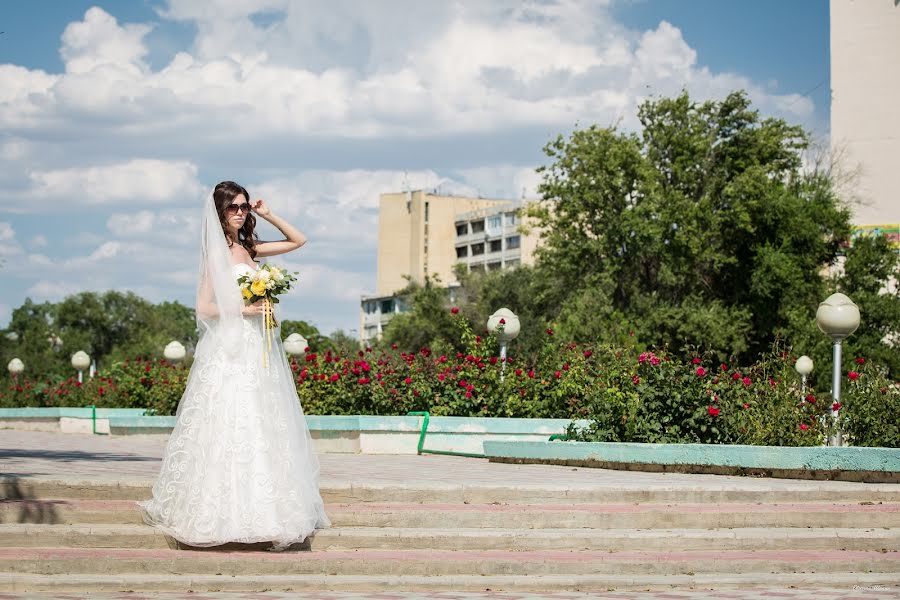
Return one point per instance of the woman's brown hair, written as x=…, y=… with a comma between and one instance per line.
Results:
x=223, y=196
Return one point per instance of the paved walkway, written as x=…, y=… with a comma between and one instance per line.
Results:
x=876, y=593
x=41, y=454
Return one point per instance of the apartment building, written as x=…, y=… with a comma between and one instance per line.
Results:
x=422, y=232
x=865, y=121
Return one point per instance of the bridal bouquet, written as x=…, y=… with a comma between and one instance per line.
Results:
x=266, y=284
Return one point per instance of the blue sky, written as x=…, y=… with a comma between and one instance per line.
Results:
x=116, y=117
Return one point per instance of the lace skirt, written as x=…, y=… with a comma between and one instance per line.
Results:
x=240, y=465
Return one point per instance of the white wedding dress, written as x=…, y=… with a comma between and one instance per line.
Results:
x=240, y=465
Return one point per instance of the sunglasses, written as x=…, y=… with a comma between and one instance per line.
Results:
x=233, y=209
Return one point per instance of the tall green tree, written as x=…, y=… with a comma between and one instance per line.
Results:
x=702, y=230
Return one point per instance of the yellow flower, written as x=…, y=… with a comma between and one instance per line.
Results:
x=247, y=293
x=258, y=287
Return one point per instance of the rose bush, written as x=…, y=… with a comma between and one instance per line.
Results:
x=622, y=393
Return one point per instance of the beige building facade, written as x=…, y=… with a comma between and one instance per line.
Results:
x=865, y=110
x=423, y=233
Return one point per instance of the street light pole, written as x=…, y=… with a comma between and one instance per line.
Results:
x=510, y=323
x=837, y=317
x=804, y=366
x=81, y=361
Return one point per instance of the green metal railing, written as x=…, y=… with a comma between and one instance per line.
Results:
x=421, y=447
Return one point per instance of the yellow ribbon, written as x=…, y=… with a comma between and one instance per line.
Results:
x=269, y=323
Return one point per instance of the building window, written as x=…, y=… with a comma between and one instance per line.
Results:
x=494, y=223
x=387, y=307
x=477, y=249
x=494, y=266
x=369, y=307
x=426, y=212
x=462, y=251
x=496, y=245
x=513, y=241
x=511, y=219
x=478, y=226
x=462, y=229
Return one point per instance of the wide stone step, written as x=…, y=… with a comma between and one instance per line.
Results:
x=85, y=561
x=362, y=538
x=12, y=488
x=515, y=516
x=826, y=582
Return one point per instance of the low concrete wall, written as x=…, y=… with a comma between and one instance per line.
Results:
x=813, y=462
x=331, y=433
x=67, y=419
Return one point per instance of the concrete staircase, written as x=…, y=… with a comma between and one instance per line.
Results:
x=72, y=536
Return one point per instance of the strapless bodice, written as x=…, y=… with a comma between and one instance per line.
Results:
x=243, y=269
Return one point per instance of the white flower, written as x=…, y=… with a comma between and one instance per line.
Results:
x=263, y=275
x=270, y=284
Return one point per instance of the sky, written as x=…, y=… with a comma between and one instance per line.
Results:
x=118, y=118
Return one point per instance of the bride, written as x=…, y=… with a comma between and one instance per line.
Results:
x=239, y=465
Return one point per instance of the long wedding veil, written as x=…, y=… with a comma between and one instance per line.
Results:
x=218, y=296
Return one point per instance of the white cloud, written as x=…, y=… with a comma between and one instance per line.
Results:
x=52, y=290
x=137, y=179
x=98, y=41
x=38, y=241
x=7, y=232
x=482, y=69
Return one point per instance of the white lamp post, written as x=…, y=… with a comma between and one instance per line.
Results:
x=295, y=344
x=15, y=367
x=804, y=366
x=510, y=323
x=81, y=361
x=174, y=351
x=837, y=318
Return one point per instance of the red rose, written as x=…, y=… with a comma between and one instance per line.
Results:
x=836, y=406
x=558, y=374
x=853, y=375
x=700, y=371
x=147, y=369
x=441, y=376
x=746, y=406
x=860, y=360
x=549, y=331
x=335, y=377
x=723, y=366
x=363, y=380
x=696, y=361
x=588, y=353
x=503, y=321
x=811, y=399
x=804, y=426
x=393, y=346
x=408, y=380
x=468, y=394
x=746, y=381
x=713, y=411
x=531, y=374
x=454, y=310
x=736, y=375
x=493, y=360
x=635, y=380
